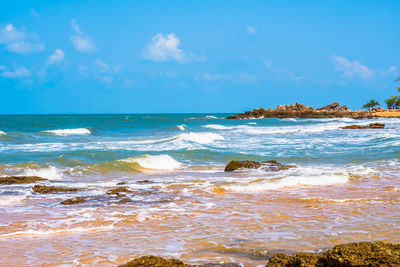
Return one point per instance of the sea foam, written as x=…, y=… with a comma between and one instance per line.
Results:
x=2, y=133
x=291, y=181
x=155, y=162
x=76, y=131
x=51, y=173
x=201, y=138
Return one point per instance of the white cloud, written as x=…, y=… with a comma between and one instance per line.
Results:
x=56, y=57
x=81, y=41
x=19, y=41
x=18, y=73
x=251, y=30
x=163, y=48
x=352, y=69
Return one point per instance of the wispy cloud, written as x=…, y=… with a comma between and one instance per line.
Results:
x=56, y=57
x=233, y=77
x=17, y=73
x=34, y=13
x=251, y=30
x=283, y=73
x=81, y=41
x=19, y=41
x=106, y=72
x=352, y=69
x=163, y=48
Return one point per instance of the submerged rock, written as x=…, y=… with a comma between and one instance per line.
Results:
x=346, y=255
x=117, y=191
x=44, y=189
x=270, y=165
x=20, y=180
x=370, y=126
x=148, y=261
x=72, y=201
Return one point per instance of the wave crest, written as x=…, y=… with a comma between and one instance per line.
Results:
x=155, y=162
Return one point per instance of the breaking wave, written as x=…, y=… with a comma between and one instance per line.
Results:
x=76, y=131
x=155, y=162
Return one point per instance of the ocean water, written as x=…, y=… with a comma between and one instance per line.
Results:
x=181, y=203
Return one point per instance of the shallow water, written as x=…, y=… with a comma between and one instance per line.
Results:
x=346, y=187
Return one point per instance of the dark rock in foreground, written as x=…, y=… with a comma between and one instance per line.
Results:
x=44, y=189
x=334, y=110
x=270, y=165
x=72, y=201
x=147, y=261
x=349, y=255
x=20, y=180
x=345, y=255
x=370, y=126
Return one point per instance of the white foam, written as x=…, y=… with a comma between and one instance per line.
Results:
x=291, y=181
x=76, y=131
x=201, y=138
x=50, y=173
x=2, y=133
x=181, y=127
x=58, y=231
x=211, y=117
x=217, y=127
x=156, y=162
x=11, y=199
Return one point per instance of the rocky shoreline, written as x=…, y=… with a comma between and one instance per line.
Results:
x=334, y=110
x=374, y=253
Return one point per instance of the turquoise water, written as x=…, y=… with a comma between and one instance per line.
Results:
x=192, y=139
x=179, y=202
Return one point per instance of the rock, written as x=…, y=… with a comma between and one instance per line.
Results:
x=335, y=106
x=118, y=190
x=144, y=182
x=293, y=108
x=153, y=261
x=20, y=180
x=72, y=201
x=370, y=126
x=43, y=189
x=346, y=255
x=247, y=164
x=270, y=165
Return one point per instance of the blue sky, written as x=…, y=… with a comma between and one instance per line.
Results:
x=194, y=56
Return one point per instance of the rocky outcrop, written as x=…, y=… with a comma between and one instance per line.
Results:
x=334, y=110
x=20, y=180
x=270, y=165
x=335, y=106
x=44, y=189
x=370, y=126
x=346, y=255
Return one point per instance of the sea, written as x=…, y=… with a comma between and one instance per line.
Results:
x=174, y=198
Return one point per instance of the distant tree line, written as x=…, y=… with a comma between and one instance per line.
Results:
x=389, y=102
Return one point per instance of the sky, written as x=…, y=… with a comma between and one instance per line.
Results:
x=195, y=56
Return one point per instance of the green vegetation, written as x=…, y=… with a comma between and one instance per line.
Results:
x=372, y=103
x=393, y=100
